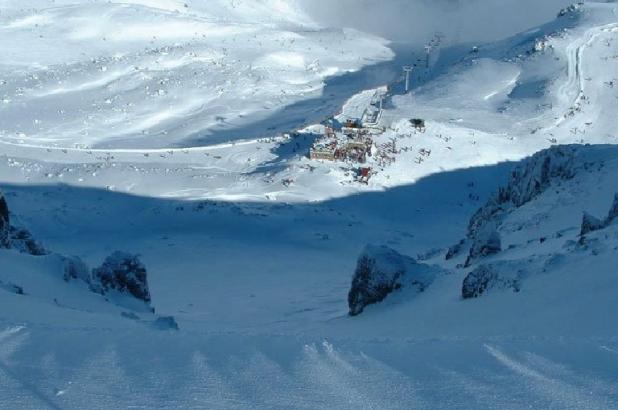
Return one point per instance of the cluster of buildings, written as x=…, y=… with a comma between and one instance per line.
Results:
x=352, y=143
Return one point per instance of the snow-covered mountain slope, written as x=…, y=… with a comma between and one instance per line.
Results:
x=256, y=303
x=500, y=102
x=162, y=73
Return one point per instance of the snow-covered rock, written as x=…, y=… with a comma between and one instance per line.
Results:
x=488, y=277
x=486, y=242
x=380, y=271
x=124, y=273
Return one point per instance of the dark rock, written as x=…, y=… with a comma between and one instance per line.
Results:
x=484, y=278
x=380, y=271
x=123, y=273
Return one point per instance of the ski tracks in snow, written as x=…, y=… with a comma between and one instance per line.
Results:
x=574, y=89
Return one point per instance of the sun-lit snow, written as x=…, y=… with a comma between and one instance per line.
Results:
x=90, y=68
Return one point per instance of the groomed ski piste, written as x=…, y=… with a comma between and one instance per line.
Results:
x=251, y=246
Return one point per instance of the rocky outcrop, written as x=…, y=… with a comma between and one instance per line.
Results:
x=380, y=271
x=527, y=181
x=123, y=273
x=486, y=242
x=120, y=272
x=485, y=278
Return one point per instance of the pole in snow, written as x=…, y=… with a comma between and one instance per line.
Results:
x=408, y=69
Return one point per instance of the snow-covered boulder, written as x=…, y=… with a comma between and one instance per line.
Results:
x=123, y=273
x=488, y=277
x=485, y=243
x=380, y=271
